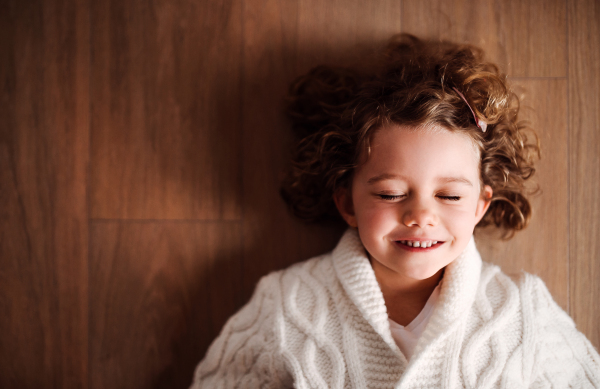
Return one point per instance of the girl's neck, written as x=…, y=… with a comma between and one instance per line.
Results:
x=400, y=284
x=404, y=297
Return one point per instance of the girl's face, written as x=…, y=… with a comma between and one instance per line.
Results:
x=416, y=199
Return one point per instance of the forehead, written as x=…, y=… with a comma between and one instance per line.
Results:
x=421, y=150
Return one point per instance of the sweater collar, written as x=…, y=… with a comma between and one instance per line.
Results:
x=356, y=275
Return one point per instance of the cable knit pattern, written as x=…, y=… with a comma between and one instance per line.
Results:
x=323, y=324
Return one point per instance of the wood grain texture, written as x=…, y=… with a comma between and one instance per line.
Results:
x=542, y=248
x=44, y=110
x=166, y=109
x=283, y=39
x=584, y=166
x=160, y=292
x=526, y=38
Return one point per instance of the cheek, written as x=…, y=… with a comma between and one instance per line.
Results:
x=460, y=220
x=375, y=217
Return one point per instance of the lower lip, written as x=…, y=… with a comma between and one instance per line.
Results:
x=418, y=249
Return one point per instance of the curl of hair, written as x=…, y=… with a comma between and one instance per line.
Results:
x=336, y=111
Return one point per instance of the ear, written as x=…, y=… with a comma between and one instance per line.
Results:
x=484, y=202
x=343, y=202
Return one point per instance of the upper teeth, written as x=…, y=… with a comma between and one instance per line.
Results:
x=416, y=243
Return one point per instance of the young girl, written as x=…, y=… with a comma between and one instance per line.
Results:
x=413, y=157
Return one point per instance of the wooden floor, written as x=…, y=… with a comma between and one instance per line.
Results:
x=141, y=145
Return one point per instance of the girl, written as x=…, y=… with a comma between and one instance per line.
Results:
x=413, y=157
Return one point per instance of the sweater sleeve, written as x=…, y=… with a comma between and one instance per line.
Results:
x=564, y=357
x=244, y=355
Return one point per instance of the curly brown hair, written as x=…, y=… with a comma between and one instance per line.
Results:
x=335, y=112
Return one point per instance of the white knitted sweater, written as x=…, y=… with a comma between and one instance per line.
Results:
x=323, y=324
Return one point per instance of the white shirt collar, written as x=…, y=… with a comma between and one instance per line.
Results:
x=457, y=294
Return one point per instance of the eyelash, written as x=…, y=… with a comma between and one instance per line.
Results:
x=389, y=197
x=396, y=197
x=451, y=198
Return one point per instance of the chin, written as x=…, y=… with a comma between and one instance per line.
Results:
x=423, y=274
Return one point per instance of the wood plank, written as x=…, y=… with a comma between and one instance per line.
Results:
x=343, y=32
x=166, y=109
x=584, y=166
x=527, y=38
x=160, y=292
x=284, y=39
x=542, y=248
x=44, y=130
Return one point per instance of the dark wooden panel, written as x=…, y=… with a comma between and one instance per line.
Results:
x=527, y=38
x=44, y=111
x=166, y=109
x=542, y=248
x=282, y=40
x=344, y=32
x=160, y=292
x=584, y=167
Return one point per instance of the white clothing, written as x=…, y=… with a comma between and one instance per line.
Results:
x=323, y=323
x=406, y=337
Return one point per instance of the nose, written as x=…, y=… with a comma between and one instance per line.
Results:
x=419, y=213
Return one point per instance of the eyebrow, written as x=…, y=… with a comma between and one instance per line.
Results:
x=460, y=180
x=389, y=176
x=383, y=177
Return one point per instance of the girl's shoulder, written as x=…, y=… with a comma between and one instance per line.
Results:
x=516, y=316
x=525, y=290
x=524, y=300
x=306, y=280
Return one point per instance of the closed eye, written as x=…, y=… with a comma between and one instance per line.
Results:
x=451, y=198
x=389, y=197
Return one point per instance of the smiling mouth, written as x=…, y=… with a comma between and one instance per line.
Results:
x=419, y=244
